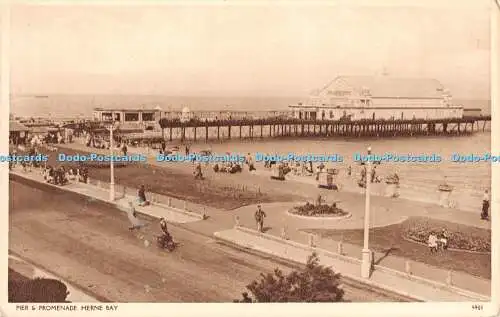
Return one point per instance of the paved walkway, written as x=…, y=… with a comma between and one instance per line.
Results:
x=171, y=214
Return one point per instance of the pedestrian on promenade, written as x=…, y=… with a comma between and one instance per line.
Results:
x=163, y=147
x=132, y=217
x=124, y=149
x=373, y=175
x=433, y=242
x=249, y=162
x=349, y=170
x=259, y=218
x=486, y=205
x=141, y=196
x=197, y=172
x=443, y=239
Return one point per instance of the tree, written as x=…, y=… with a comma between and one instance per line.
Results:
x=314, y=283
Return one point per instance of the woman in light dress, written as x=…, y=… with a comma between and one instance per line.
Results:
x=132, y=217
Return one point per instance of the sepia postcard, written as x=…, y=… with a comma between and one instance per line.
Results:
x=279, y=158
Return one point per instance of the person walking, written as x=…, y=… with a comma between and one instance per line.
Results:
x=124, y=149
x=486, y=205
x=259, y=218
x=132, y=217
x=197, y=172
x=141, y=196
x=163, y=147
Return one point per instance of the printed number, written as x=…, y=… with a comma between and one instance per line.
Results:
x=477, y=307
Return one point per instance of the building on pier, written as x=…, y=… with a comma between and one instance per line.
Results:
x=379, y=97
x=134, y=119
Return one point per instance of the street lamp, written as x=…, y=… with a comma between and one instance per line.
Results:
x=111, y=128
x=366, y=261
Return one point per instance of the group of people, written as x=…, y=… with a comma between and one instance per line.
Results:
x=61, y=176
x=56, y=176
x=438, y=242
x=374, y=178
x=227, y=167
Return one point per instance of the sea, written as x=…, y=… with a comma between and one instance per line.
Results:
x=81, y=105
x=469, y=179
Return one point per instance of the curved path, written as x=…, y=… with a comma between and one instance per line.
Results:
x=277, y=217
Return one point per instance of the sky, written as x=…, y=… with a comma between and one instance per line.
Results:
x=236, y=50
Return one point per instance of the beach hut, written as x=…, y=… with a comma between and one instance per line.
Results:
x=17, y=132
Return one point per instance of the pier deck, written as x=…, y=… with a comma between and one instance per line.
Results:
x=292, y=127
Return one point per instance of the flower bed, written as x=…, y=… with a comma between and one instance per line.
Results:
x=460, y=237
x=322, y=210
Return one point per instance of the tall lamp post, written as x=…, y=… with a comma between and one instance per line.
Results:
x=366, y=260
x=111, y=128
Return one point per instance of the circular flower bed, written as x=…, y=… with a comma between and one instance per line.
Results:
x=322, y=210
x=460, y=237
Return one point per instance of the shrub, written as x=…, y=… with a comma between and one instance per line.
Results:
x=38, y=290
x=314, y=283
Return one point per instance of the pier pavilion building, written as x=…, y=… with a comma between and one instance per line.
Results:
x=379, y=97
x=134, y=119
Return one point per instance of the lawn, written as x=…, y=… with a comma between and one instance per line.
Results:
x=387, y=238
x=177, y=184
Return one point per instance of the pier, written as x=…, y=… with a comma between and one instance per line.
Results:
x=199, y=130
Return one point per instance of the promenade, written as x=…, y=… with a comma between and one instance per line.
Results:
x=411, y=189
x=389, y=273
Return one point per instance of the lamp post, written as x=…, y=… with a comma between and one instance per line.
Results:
x=366, y=261
x=111, y=128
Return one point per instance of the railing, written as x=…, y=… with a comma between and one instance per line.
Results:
x=447, y=282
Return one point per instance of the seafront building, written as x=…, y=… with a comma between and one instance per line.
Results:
x=378, y=97
x=135, y=119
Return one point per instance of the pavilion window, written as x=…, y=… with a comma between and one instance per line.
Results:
x=107, y=116
x=148, y=116
x=331, y=114
x=131, y=117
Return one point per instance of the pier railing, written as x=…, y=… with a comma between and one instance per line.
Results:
x=225, y=129
x=167, y=123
